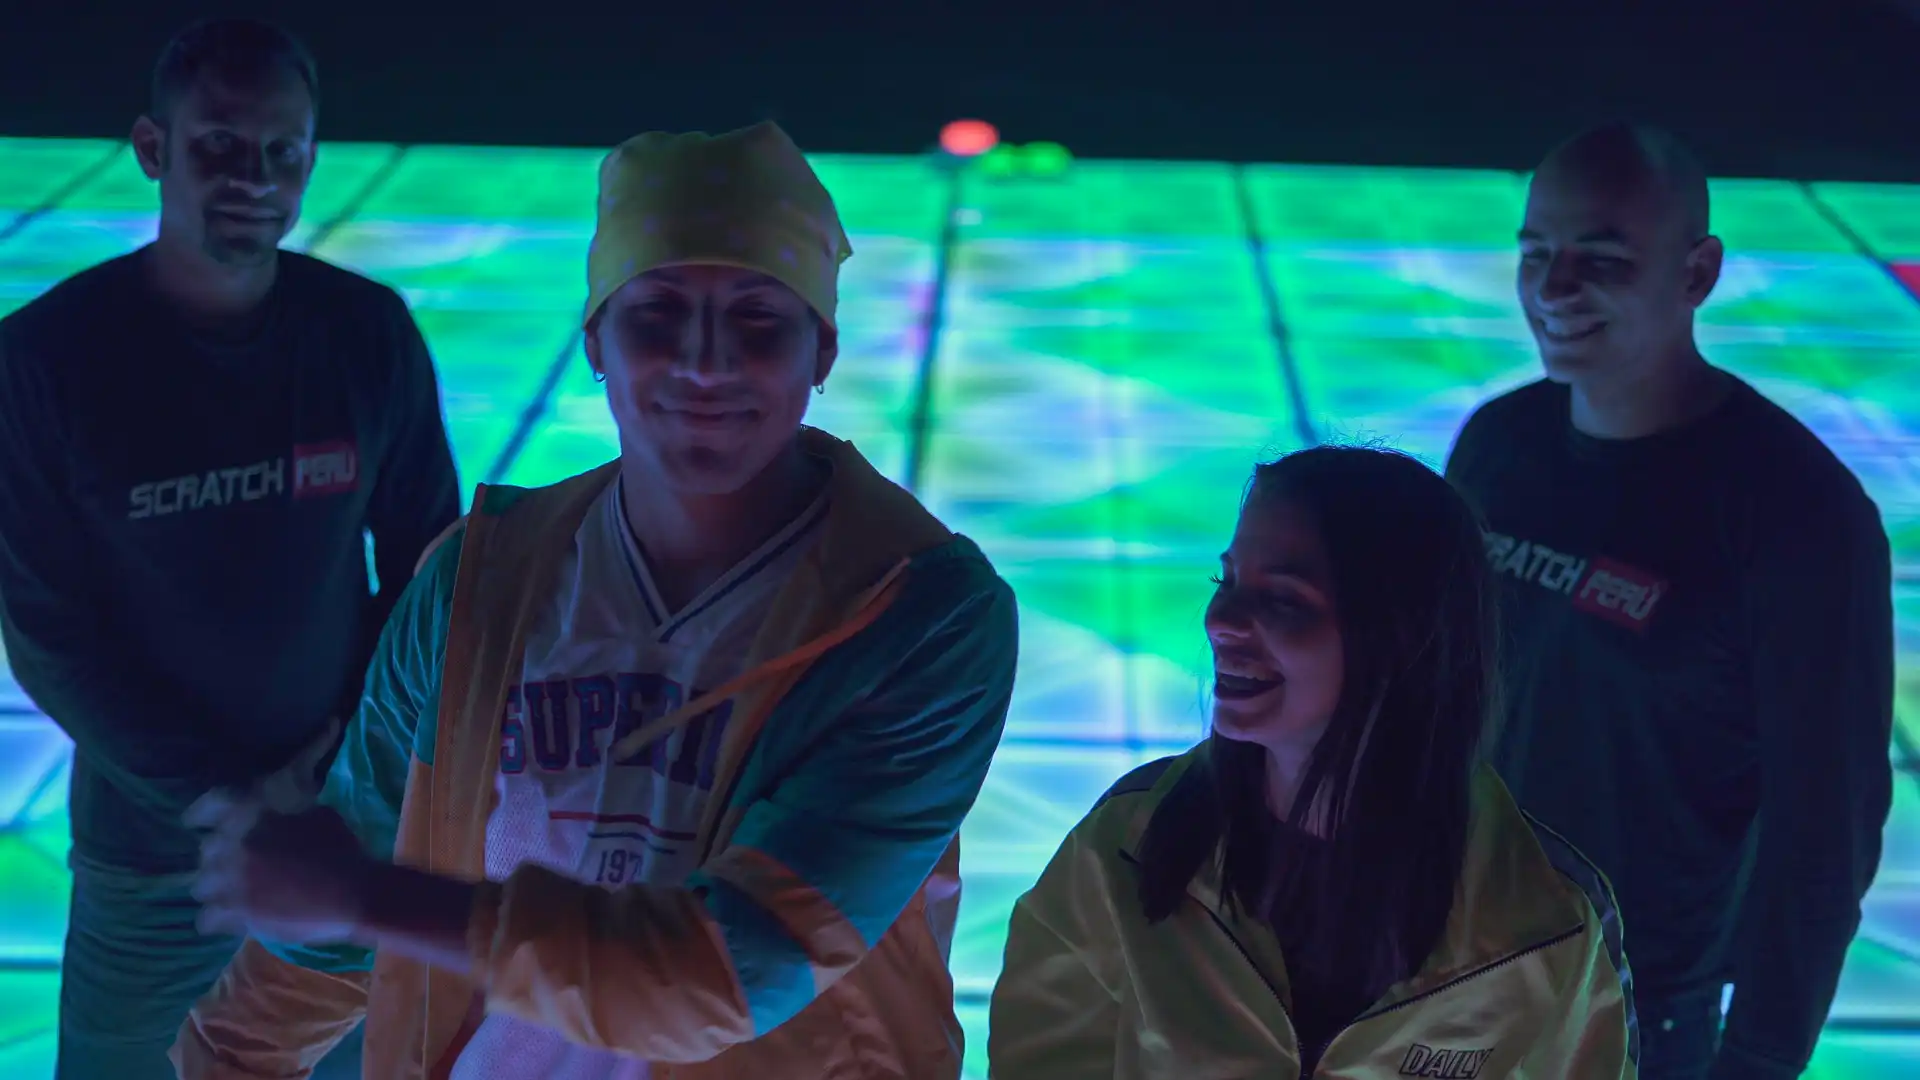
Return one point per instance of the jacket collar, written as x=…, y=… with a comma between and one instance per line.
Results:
x=1509, y=900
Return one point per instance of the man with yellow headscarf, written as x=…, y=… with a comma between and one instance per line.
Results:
x=659, y=771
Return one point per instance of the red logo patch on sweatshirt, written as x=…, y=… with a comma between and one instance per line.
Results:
x=329, y=468
x=1619, y=593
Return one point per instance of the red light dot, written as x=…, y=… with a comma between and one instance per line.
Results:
x=969, y=138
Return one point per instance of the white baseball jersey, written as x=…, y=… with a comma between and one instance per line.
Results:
x=604, y=658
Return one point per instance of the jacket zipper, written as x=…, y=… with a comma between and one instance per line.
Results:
x=1320, y=1049
x=1128, y=858
x=1324, y=1045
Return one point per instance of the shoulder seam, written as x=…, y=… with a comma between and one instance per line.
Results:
x=433, y=546
x=1137, y=780
x=1540, y=827
x=1594, y=887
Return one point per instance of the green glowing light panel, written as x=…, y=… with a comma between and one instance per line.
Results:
x=1110, y=361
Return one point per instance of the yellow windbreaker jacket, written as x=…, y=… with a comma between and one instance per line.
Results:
x=1529, y=980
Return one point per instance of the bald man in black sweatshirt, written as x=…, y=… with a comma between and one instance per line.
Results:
x=1698, y=601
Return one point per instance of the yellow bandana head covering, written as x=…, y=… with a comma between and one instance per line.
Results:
x=746, y=199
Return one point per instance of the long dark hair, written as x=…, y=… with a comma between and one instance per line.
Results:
x=1393, y=772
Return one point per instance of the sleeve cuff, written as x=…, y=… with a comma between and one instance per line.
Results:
x=1735, y=1063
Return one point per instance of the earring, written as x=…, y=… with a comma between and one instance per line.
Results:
x=820, y=388
x=599, y=376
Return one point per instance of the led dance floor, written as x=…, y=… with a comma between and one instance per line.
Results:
x=1078, y=371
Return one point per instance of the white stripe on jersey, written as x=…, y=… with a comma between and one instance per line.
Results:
x=604, y=658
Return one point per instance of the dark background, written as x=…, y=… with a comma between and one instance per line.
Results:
x=1801, y=88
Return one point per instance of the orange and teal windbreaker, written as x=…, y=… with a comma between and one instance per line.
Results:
x=813, y=940
x=1528, y=982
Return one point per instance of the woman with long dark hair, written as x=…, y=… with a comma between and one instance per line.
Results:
x=1331, y=884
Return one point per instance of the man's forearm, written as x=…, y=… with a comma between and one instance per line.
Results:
x=1802, y=914
x=419, y=915
x=1735, y=1062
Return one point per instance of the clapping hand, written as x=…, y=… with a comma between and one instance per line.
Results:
x=286, y=877
x=273, y=865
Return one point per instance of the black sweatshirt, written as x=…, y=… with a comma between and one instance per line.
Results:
x=1699, y=669
x=183, y=565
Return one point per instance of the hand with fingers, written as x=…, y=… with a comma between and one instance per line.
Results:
x=275, y=866
x=283, y=877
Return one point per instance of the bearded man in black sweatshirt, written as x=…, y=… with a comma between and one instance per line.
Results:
x=195, y=441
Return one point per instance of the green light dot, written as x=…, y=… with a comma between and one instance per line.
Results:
x=1002, y=161
x=1046, y=158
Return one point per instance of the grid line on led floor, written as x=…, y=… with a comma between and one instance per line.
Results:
x=1275, y=310
x=535, y=410
x=1853, y=237
x=359, y=198
x=932, y=324
x=1884, y=260
x=79, y=180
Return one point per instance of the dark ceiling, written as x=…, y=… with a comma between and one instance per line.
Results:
x=1807, y=88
